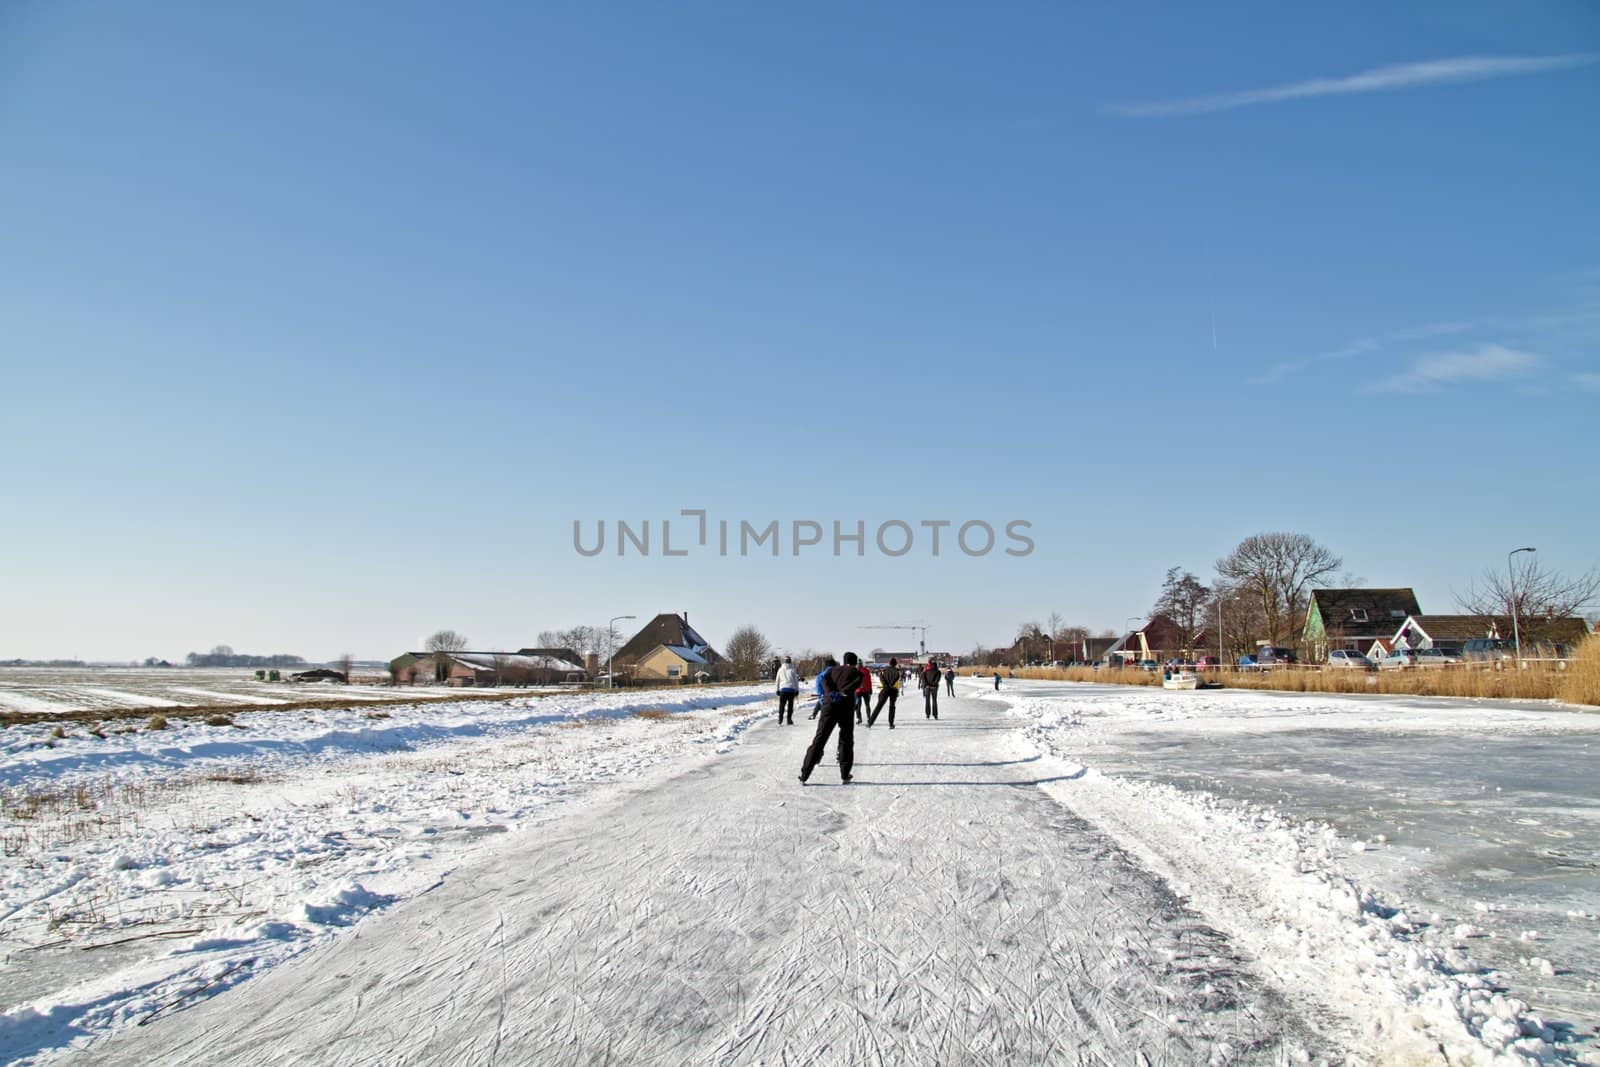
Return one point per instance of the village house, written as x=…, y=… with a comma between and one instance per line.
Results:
x=1449, y=632
x=1158, y=639
x=1354, y=618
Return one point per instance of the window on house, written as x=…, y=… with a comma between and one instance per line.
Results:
x=1396, y=613
x=673, y=672
x=1358, y=614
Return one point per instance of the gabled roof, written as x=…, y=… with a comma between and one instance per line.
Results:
x=1382, y=608
x=1451, y=629
x=667, y=629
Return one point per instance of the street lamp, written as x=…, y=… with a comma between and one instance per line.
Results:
x=1131, y=631
x=1516, y=630
x=611, y=648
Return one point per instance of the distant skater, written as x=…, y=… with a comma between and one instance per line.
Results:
x=788, y=689
x=950, y=681
x=997, y=681
x=864, y=695
x=888, y=689
x=929, y=680
x=839, y=687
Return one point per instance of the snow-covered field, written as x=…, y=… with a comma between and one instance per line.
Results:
x=1069, y=873
x=57, y=690
x=143, y=871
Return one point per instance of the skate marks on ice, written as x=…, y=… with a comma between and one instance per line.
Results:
x=732, y=916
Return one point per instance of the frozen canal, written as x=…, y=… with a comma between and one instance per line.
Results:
x=1486, y=815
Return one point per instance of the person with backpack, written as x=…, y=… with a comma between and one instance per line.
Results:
x=929, y=680
x=864, y=695
x=888, y=689
x=839, y=687
x=788, y=688
x=950, y=681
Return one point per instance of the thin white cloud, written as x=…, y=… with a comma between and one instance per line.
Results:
x=1362, y=346
x=1485, y=363
x=1379, y=79
x=1591, y=382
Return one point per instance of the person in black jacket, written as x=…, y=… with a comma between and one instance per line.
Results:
x=839, y=686
x=888, y=689
x=950, y=681
x=929, y=680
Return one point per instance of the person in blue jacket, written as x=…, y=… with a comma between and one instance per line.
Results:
x=829, y=662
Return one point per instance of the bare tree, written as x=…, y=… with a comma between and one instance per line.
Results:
x=1069, y=642
x=1183, y=600
x=1278, y=568
x=1530, y=591
x=748, y=652
x=1030, y=638
x=345, y=665
x=1240, y=623
x=445, y=641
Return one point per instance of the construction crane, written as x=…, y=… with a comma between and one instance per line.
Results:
x=922, y=639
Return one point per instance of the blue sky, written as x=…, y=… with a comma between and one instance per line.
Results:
x=322, y=323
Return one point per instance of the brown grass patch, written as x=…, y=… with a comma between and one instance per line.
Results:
x=652, y=713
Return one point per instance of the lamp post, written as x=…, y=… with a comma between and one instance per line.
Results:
x=611, y=648
x=1131, y=631
x=1516, y=629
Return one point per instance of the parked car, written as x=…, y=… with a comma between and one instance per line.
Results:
x=1247, y=663
x=1149, y=665
x=1270, y=656
x=1398, y=659
x=1346, y=659
x=1207, y=663
x=1402, y=658
x=1487, y=650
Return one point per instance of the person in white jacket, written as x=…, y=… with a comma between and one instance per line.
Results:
x=788, y=689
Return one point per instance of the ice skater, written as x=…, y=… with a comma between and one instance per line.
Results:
x=839, y=686
x=997, y=681
x=929, y=680
x=864, y=695
x=788, y=688
x=950, y=681
x=888, y=689
x=826, y=664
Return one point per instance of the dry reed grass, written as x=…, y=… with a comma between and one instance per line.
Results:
x=1577, y=683
x=1580, y=683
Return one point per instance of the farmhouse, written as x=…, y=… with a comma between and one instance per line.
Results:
x=669, y=649
x=484, y=669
